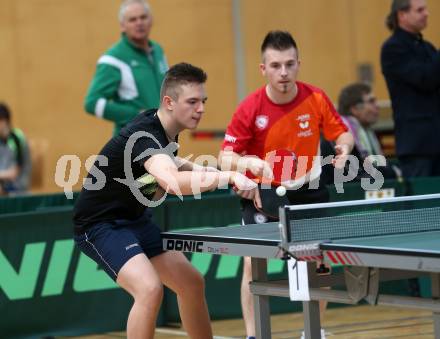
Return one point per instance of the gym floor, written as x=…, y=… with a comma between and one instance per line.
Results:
x=359, y=322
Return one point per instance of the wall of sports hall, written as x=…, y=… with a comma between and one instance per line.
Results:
x=49, y=49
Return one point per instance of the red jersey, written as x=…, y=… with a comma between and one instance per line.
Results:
x=260, y=126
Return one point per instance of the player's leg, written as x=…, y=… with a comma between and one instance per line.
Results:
x=247, y=301
x=116, y=249
x=139, y=278
x=322, y=303
x=306, y=195
x=250, y=215
x=177, y=273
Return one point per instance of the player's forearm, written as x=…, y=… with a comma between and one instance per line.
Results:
x=173, y=181
x=230, y=161
x=184, y=164
x=345, y=139
x=189, y=182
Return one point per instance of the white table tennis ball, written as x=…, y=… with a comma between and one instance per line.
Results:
x=281, y=191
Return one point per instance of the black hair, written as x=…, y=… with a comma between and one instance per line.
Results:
x=278, y=40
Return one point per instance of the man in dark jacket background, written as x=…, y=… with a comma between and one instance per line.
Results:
x=411, y=67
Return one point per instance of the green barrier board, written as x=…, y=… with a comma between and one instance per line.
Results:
x=48, y=288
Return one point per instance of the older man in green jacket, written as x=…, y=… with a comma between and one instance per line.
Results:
x=128, y=76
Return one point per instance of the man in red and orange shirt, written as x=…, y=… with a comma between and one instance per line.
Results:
x=284, y=114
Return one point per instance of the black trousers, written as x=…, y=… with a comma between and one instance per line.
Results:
x=420, y=166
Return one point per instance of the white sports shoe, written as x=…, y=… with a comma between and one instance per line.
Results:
x=322, y=334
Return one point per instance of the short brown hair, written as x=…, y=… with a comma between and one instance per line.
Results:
x=178, y=75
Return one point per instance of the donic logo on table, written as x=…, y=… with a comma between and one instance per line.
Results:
x=184, y=245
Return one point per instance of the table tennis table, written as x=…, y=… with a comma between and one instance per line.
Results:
x=374, y=240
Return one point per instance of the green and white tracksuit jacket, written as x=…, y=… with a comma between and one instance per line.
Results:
x=127, y=81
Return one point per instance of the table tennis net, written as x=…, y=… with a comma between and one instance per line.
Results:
x=372, y=219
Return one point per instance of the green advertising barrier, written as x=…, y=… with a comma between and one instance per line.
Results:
x=424, y=185
x=48, y=288
x=354, y=191
x=34, y=202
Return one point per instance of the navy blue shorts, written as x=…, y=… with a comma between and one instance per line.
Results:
x=112, y=244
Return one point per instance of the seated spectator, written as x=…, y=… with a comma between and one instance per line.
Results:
x=15, y=160
x=359, y=110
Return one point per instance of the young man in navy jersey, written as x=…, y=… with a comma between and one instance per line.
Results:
x=114, y=227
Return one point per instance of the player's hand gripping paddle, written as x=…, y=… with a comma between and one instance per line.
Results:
x=272, y=192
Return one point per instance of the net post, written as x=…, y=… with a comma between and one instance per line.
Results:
x=284, y=227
